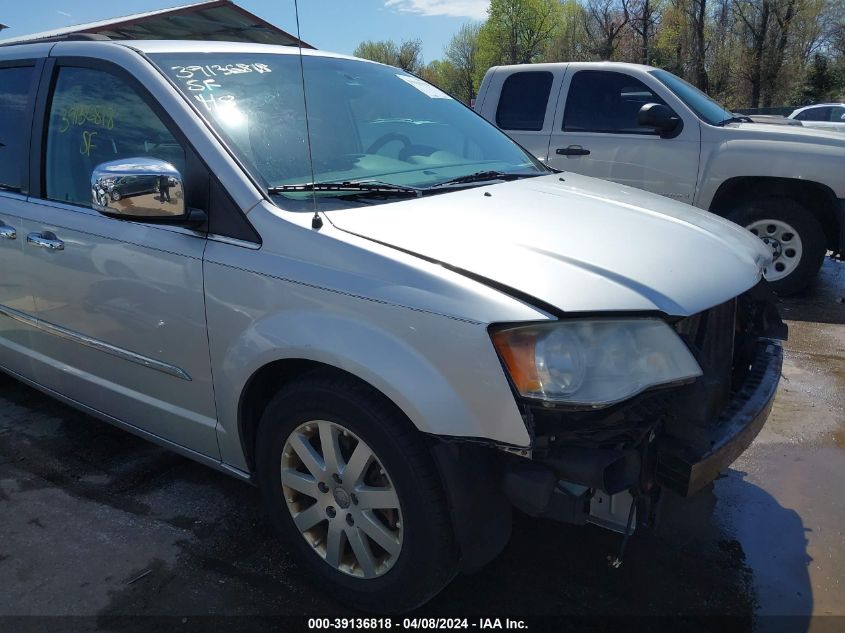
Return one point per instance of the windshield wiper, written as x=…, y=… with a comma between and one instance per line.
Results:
x=481, y=176
x=368, y=187
x=737, y=118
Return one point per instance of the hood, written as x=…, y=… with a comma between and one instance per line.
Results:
x=791, y=133
x=576, y=243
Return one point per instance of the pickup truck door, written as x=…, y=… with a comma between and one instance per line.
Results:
x=17, y=93
x=522, y=104
x=596, y=133
x=120, y=305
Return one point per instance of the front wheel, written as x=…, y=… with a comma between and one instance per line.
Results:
x=352, y=488
x=794, y=236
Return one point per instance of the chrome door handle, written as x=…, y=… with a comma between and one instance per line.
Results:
x=7, y=232
x=46, y=240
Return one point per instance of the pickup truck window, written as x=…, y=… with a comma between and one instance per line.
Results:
x=95, y=117
x=606, y=101
x=522, y=104
x=14, y=92
x=368, y=122
x=707, y=110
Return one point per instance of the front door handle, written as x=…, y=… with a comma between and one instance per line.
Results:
x=572, y=150
x=7, y=232
x=46, y=240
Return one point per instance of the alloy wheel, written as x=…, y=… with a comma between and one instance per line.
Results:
x=341, y=499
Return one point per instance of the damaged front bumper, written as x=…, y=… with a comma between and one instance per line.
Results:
x=569, y=482
x=591, y=467
x=611, y=466
x=685, y=470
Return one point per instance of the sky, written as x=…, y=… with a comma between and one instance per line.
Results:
x=334, y=25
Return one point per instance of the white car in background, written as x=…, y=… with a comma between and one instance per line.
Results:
x=829, y=116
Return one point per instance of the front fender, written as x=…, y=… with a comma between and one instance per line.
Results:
x=722, y=160
x=442, y=372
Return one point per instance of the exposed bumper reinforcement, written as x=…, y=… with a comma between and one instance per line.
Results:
x=685, y=471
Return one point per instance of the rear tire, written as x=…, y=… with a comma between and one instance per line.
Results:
x=794, y=235
x=325, y=405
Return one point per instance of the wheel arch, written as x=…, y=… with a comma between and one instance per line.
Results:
x=479, y=511
x=266, y=382
x=818, y=198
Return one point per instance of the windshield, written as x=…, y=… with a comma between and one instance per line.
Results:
x=367, y=122
x=708, y=110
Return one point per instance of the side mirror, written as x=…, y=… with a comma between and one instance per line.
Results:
x=141, y=189
x=661, y=118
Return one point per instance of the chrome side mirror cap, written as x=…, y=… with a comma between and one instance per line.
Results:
x=141, y=189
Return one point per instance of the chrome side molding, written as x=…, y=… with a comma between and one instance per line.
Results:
x=93, y=343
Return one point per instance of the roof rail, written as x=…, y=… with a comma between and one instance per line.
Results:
x=69, y=37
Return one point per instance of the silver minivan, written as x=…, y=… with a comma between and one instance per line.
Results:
x=327, y=277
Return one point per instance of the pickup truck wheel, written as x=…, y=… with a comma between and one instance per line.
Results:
x=353, y=489
x=794, y=236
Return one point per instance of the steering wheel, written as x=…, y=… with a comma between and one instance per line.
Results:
x=383, y=140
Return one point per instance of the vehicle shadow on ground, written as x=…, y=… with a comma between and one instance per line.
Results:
x=230, y=564
x=693, y=567
x=824, y=302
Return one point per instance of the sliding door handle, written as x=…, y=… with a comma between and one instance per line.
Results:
x=46, y=240
x=572, y=150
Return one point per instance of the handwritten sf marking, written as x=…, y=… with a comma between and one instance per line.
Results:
x=87, y=143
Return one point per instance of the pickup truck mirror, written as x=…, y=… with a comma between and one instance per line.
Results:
x=661, y=118
x=140, y=189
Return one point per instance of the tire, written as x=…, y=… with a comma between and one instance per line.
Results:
x=427, y=558
x=786, y=216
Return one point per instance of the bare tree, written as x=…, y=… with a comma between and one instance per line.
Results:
x=783, y=16
x=698, y=23
x=756, y=18
x=604, y=22
x=643, y=16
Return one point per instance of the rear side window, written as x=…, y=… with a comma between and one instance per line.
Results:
x=14, y=95
x=837, y=114
x=605, y=101
x=815, y=114
x=522, y=105
x=96, y=117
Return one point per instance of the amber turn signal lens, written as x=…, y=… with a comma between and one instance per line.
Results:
x=516, y=348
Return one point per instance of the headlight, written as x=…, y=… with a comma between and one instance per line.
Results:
x=595, y=362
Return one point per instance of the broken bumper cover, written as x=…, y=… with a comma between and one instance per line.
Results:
x=687, y=471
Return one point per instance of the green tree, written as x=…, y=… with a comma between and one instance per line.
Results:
x=407, y=55
x=442, y=74
x=518, y=31
x=820, y=82
x=571, y=42
x=462, y=56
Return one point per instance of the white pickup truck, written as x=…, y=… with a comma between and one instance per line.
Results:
x=645, y=127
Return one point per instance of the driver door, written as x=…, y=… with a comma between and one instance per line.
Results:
x=598, y=134
x=120, y=304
